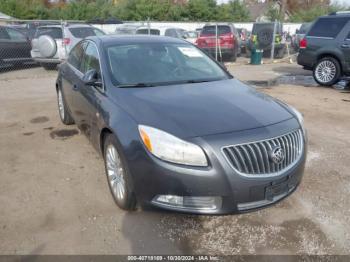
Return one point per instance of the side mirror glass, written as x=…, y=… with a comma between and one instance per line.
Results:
x=91, y=78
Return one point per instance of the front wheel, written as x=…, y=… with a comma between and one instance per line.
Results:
x=327, y=71
x=118, y=175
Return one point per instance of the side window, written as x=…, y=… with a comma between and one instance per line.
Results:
x=76, y=55
x=16, y=36
x=91, y=59
x=328, y=27
x=3, y=34
x=98, y=32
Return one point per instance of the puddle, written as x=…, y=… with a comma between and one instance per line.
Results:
x=298, y=80
x=40, y=119
x=63, y=133
x=28, y=133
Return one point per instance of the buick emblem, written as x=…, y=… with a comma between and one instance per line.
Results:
x=277, y=155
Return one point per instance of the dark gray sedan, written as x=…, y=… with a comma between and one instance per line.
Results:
x=176, y=130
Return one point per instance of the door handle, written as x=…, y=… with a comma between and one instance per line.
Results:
x=75, y=87
x=345, y=45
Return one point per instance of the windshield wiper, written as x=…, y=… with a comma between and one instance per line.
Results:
x=135, y=85
x=192, y=81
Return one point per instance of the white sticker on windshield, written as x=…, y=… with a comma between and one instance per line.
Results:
x=190, y=52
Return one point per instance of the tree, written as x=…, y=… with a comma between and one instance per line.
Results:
x=233, y=11
x=201, y=10
x=309, y=15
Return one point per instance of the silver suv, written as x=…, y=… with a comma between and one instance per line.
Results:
x=52, y=43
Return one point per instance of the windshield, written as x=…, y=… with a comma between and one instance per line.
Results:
x=54, y=32
x=83, y=32
x=211, y=30
x=145, y=31
x=161, y=64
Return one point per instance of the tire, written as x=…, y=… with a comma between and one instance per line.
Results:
x=48, y=66
x=63, y=111
x=47, y=46
x=117, y=173
x=327, y=71
x=234, y=56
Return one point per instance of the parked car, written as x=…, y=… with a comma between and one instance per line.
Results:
x=227, y=43
x=176, y=130
x=14, y=47
x=162, y=31
x=300, y=34
x=326, y=49
x=262, y=35
x=52, y=43
x=127, y=29
x=191, y=36
x=244, y=36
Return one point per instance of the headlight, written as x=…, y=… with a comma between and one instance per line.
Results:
x=170, y=148
x=300, y=118
x=298, y=115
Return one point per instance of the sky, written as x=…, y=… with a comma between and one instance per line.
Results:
x=342, y=2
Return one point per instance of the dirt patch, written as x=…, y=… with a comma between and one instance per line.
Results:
x=28, y=133
x=39, y=119
x=63, y=133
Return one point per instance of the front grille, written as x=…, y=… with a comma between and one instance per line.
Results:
x=254, y=159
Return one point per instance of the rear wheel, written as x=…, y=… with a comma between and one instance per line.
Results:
x=327, y=71
x=234, y=56
x=65, y=116
x=118, y=175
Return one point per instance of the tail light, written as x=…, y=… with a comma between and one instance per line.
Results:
x=66, y=41
x=303, y=43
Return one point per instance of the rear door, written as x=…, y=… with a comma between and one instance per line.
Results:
x=5, y=45
x=345, y=46
x=54, y=32
x=20, y=45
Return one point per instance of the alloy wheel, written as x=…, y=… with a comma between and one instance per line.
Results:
x=60, y=104
x=115, y=173
x=325, y=71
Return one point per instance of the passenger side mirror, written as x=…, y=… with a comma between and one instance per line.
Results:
x=91, y=78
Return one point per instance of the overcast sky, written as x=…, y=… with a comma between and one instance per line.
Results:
x=333, y=1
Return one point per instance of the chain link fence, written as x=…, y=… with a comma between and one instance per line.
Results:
x=46, y=43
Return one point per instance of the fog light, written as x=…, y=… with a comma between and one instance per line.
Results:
x=186, y=202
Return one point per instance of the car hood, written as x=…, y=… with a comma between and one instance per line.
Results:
x=201, y=109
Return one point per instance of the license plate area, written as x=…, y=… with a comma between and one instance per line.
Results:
x=279, y=189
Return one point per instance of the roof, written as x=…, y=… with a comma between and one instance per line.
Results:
x=4, y=16
x=69, y=26
x=132, y=39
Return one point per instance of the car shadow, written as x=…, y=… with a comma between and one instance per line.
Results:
x=10, y=68
x=159, y=232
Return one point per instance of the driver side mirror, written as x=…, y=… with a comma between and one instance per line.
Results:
x=91, y=78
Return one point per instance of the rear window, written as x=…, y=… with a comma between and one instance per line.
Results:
x=211, y=30
x=54, y=32
x=328, y=27
x=83, y=32
x=145, y=32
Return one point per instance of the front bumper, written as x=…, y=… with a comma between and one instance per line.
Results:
x=153, y=177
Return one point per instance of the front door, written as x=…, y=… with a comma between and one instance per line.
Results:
x=84, y=99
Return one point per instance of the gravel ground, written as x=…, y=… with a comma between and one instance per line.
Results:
x=54, y=198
